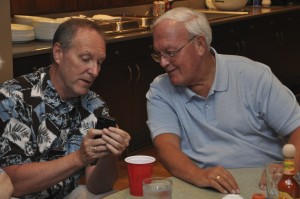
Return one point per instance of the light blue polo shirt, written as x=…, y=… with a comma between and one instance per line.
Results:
x=240, y=124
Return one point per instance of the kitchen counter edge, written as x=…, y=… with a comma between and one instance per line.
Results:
x=43, y=47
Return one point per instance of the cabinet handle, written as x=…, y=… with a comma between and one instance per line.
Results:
x=243, y=47
x=130, y=74
x=150, y=47
x=238, y=49
x=282, y=38
x=116, y=52
x=279, y=38
x=139, y=74
x=277, y=42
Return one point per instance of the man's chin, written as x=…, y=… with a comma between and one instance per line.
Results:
x=82, y=91
x=174, y=79
x=175, y=82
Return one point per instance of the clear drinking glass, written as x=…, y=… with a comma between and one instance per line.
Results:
x=273, y=175
x=157, y=188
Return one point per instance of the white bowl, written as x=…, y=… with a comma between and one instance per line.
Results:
x=229, y=5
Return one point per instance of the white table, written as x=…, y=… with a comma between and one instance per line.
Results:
x=247, y=179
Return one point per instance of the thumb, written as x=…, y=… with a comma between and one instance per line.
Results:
x=263, y=180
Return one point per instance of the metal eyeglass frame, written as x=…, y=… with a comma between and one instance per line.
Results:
x=156, y=56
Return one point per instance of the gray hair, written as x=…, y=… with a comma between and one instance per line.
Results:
x=195, y=22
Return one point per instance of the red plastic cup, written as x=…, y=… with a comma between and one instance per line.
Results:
x=139, y=168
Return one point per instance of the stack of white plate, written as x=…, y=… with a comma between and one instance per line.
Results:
x=28, y=20
x=45, y=29
x=209, y=4
x=22, y=33
x=103, y=17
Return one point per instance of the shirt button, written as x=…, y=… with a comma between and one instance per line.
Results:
x=207, y=106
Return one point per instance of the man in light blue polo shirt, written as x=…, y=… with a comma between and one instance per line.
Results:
x=211, y=112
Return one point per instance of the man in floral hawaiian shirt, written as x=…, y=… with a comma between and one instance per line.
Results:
x=47, y=121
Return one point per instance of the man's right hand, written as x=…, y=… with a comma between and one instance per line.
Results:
x=91, y=149
x=219, y=178
x=181, y=166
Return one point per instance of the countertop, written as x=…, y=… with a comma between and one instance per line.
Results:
x=247, y=179
x=42, y=47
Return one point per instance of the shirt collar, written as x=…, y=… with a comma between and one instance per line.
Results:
x=51, y=96
x=220, y=81
x=222, y=74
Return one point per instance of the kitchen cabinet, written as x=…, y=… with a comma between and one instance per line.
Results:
x=24, y=65
x=123, y=82
x=237, y=38
x=21, y=7
x=93, y=4
x=38, y=7
x=41, y=7
x=286, y=42
x=271, y=39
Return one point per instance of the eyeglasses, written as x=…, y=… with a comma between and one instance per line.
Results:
x=156, y=56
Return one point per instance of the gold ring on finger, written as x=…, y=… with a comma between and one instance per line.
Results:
x=218, y=177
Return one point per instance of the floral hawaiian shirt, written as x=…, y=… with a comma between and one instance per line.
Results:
x=36, y=125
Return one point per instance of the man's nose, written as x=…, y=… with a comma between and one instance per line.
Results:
x=95, y=69
x=164, y=61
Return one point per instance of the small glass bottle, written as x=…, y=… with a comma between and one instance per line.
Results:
x=288, y=187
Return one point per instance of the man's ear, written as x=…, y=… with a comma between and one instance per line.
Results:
x=57, y=52
x=201, y=44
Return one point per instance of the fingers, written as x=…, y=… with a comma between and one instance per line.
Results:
x=113, y=140
x=263, y=181
x=225, y=185
x=94, y=133
x=91, y=148
x=223, y=181
x=116, y=139
x=100, y=151
x=86, y=150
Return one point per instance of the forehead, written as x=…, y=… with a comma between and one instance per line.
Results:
x=88, y=38
x=87, y=33
x=169, y=32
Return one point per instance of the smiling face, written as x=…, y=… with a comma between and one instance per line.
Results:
x=185, y=69
x=77, y=67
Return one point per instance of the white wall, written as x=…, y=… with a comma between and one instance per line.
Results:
x=6, y=67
